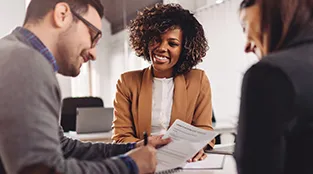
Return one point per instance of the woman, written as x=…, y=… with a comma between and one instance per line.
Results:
x=275, y=133
x=152, y=99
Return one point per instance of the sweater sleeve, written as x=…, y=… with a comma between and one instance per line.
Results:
x=30, y=134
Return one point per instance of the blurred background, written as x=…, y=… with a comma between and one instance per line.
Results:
x=224, y=64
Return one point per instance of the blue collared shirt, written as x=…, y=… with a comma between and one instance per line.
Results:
x=39, y=46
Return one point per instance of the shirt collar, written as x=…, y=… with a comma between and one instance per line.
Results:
x=39, y=46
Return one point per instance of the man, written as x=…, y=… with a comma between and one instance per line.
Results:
x=58, y=35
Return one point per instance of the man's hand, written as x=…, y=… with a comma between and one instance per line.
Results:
x=155, y=141
x=198, y=157
x=145, y=158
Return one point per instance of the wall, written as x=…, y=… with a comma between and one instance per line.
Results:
x=114, y=56
x=101, y=67
x=12, y=14
x=65, y=85
x=224, y=64
x=122, y=59
x=226, y=61
x=188, y=4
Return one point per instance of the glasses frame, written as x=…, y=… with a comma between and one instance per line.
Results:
x=94, y=39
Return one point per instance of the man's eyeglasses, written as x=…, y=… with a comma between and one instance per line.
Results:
x=95, y=38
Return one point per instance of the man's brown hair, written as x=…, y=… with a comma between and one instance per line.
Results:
x=37, y=9
x=283, y=20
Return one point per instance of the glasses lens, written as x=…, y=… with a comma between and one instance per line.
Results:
x=96, y=40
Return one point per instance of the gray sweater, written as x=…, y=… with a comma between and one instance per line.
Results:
x=30, y=103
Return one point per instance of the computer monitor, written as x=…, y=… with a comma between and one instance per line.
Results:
x=94, y=119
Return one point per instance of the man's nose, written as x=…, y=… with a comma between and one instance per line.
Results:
x=92, y=54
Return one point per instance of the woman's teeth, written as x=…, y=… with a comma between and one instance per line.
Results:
x=160, y=57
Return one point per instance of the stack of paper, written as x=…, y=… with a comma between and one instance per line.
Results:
x=187, y=141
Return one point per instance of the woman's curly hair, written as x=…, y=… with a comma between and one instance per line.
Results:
x=152, y=22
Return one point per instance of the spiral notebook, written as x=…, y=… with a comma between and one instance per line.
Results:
x=175, y=170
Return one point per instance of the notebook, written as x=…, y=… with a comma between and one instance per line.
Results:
x=212, y=162
x=176, y=170
x=94, y=119
x=226, y=149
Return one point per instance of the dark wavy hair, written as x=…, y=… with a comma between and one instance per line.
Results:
x=154, y=21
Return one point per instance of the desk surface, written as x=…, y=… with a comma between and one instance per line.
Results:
x=219, y=127
x=229, y=166
x=102, y=136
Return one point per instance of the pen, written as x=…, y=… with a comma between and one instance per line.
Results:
x=145, y=136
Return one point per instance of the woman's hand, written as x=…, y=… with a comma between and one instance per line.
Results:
x=155, y=141
x=199, y=156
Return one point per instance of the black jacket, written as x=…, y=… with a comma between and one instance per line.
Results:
x=275, y=130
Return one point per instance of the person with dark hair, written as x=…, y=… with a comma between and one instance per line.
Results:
x=275, y=130
x=57, y=36
x=150, y=100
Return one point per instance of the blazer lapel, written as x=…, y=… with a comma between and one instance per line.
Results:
x=179, y=108
x=145, y=104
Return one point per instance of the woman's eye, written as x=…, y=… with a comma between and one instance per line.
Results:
x=173, y=44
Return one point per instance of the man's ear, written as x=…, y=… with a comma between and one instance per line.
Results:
x=62, y=15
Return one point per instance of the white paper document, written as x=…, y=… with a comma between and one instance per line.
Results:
x=213, y=161
x=187, y=140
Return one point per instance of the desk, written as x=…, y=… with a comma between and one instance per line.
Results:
x=224, y=127
x=93, y=137
x=220, y=128
x=229, y=166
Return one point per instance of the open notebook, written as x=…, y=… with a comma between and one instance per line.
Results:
x=212, y=162
x=226, y=149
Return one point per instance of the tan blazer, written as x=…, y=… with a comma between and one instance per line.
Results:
x=133, y=103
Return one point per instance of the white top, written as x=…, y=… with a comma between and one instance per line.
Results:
x=162, y=101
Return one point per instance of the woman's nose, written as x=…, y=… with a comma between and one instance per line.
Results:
x=161, y=48
x=249, y=47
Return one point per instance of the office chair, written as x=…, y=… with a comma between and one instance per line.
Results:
x=218, y=137
x=69, y=113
